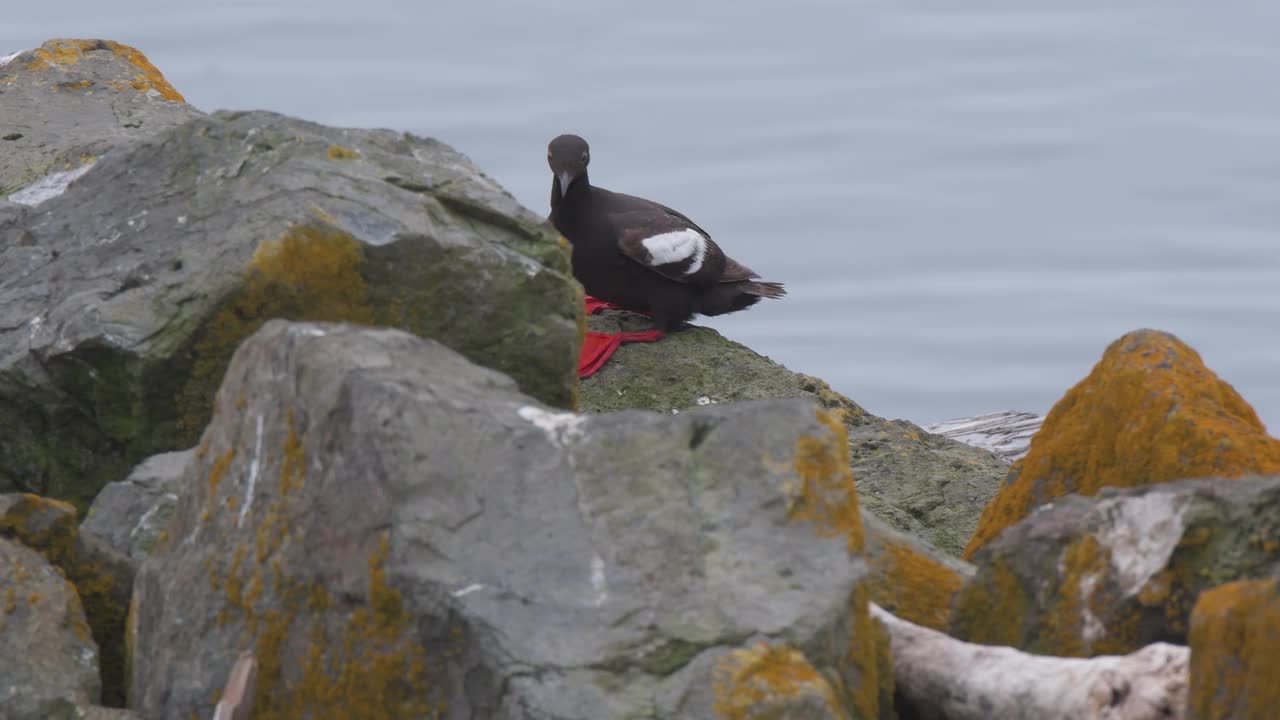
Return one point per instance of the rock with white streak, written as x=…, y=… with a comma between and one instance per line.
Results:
x=382, y=523
x=1111, y=573
x=1007, y=434
x=130, y=515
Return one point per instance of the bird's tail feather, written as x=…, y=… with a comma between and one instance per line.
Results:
x=764, y=289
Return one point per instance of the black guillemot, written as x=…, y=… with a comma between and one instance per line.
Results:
x=640, y=255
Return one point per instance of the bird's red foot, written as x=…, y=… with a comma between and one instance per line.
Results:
x=595, y=305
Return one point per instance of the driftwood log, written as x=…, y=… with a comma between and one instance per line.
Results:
x=941, y=678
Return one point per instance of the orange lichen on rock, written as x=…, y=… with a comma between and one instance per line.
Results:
x=338, y=152
x=1235, y=666
x=1149, y=412
x=992, y=612
x=911, y=585
x=772, y=681
x=826, y=494
x=70, y=51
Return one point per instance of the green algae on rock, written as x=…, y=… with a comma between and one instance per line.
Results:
x=1235, y=670
x=1112, y=573
x=495, y=556
x=179, y=242
x=1148, y=412
x=922, y=484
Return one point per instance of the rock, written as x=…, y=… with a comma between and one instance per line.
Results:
x=766, y=681
x=1149, y=412
x=1007, y=434
x=131, y=515
x=47, y=657
x=380, y=521
x=102, y=578
x=122, y=298
x=922, y=484
x=1235, y=671
x=909, y=578
x=68, y=103
x=1114, y=572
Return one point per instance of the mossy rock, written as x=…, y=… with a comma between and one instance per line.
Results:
x=1235, y=669
x=175, y=246
x=1112, y=573
x=929, y=486
x=1148, y=412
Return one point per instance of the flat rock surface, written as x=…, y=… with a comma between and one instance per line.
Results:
x=1007, y=434
x=929, y=486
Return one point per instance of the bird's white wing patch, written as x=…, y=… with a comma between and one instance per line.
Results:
x=678, y=246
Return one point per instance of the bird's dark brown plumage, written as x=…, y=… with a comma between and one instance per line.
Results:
x=642, y=255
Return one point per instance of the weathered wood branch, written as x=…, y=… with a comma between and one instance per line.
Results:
x=237, y=697
x=941, y=678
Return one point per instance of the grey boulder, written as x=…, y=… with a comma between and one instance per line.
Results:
x=48, y=660
x=382, y=522
x=131, y=515
x=125, y=289
x=1111, y=573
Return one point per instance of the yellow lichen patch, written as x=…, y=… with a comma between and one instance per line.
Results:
x=312, y=272
x=868, y=655
x=912, y=585
x=1235, y=669
x=769, y=681
x=338, y=152
x=992, y=607
x=75, y=85
x=371, y=667
x=1075, y=621
x=1149, y=412
x=826, y=495
x=219, y=469
x=294, y=463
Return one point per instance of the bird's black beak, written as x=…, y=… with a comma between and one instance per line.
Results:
x=565, y=178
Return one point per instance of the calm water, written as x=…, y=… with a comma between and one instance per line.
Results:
x=967, y=204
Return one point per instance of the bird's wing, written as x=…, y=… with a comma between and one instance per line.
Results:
x=669, y=243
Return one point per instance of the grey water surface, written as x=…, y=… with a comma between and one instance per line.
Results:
x=967, y=201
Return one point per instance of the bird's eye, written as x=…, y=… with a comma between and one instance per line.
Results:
x=585, y=158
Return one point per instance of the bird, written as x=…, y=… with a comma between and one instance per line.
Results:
x=640, y=255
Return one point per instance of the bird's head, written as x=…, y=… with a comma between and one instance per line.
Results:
x=568, y=156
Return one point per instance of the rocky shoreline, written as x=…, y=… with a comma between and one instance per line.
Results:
x=292, y=428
